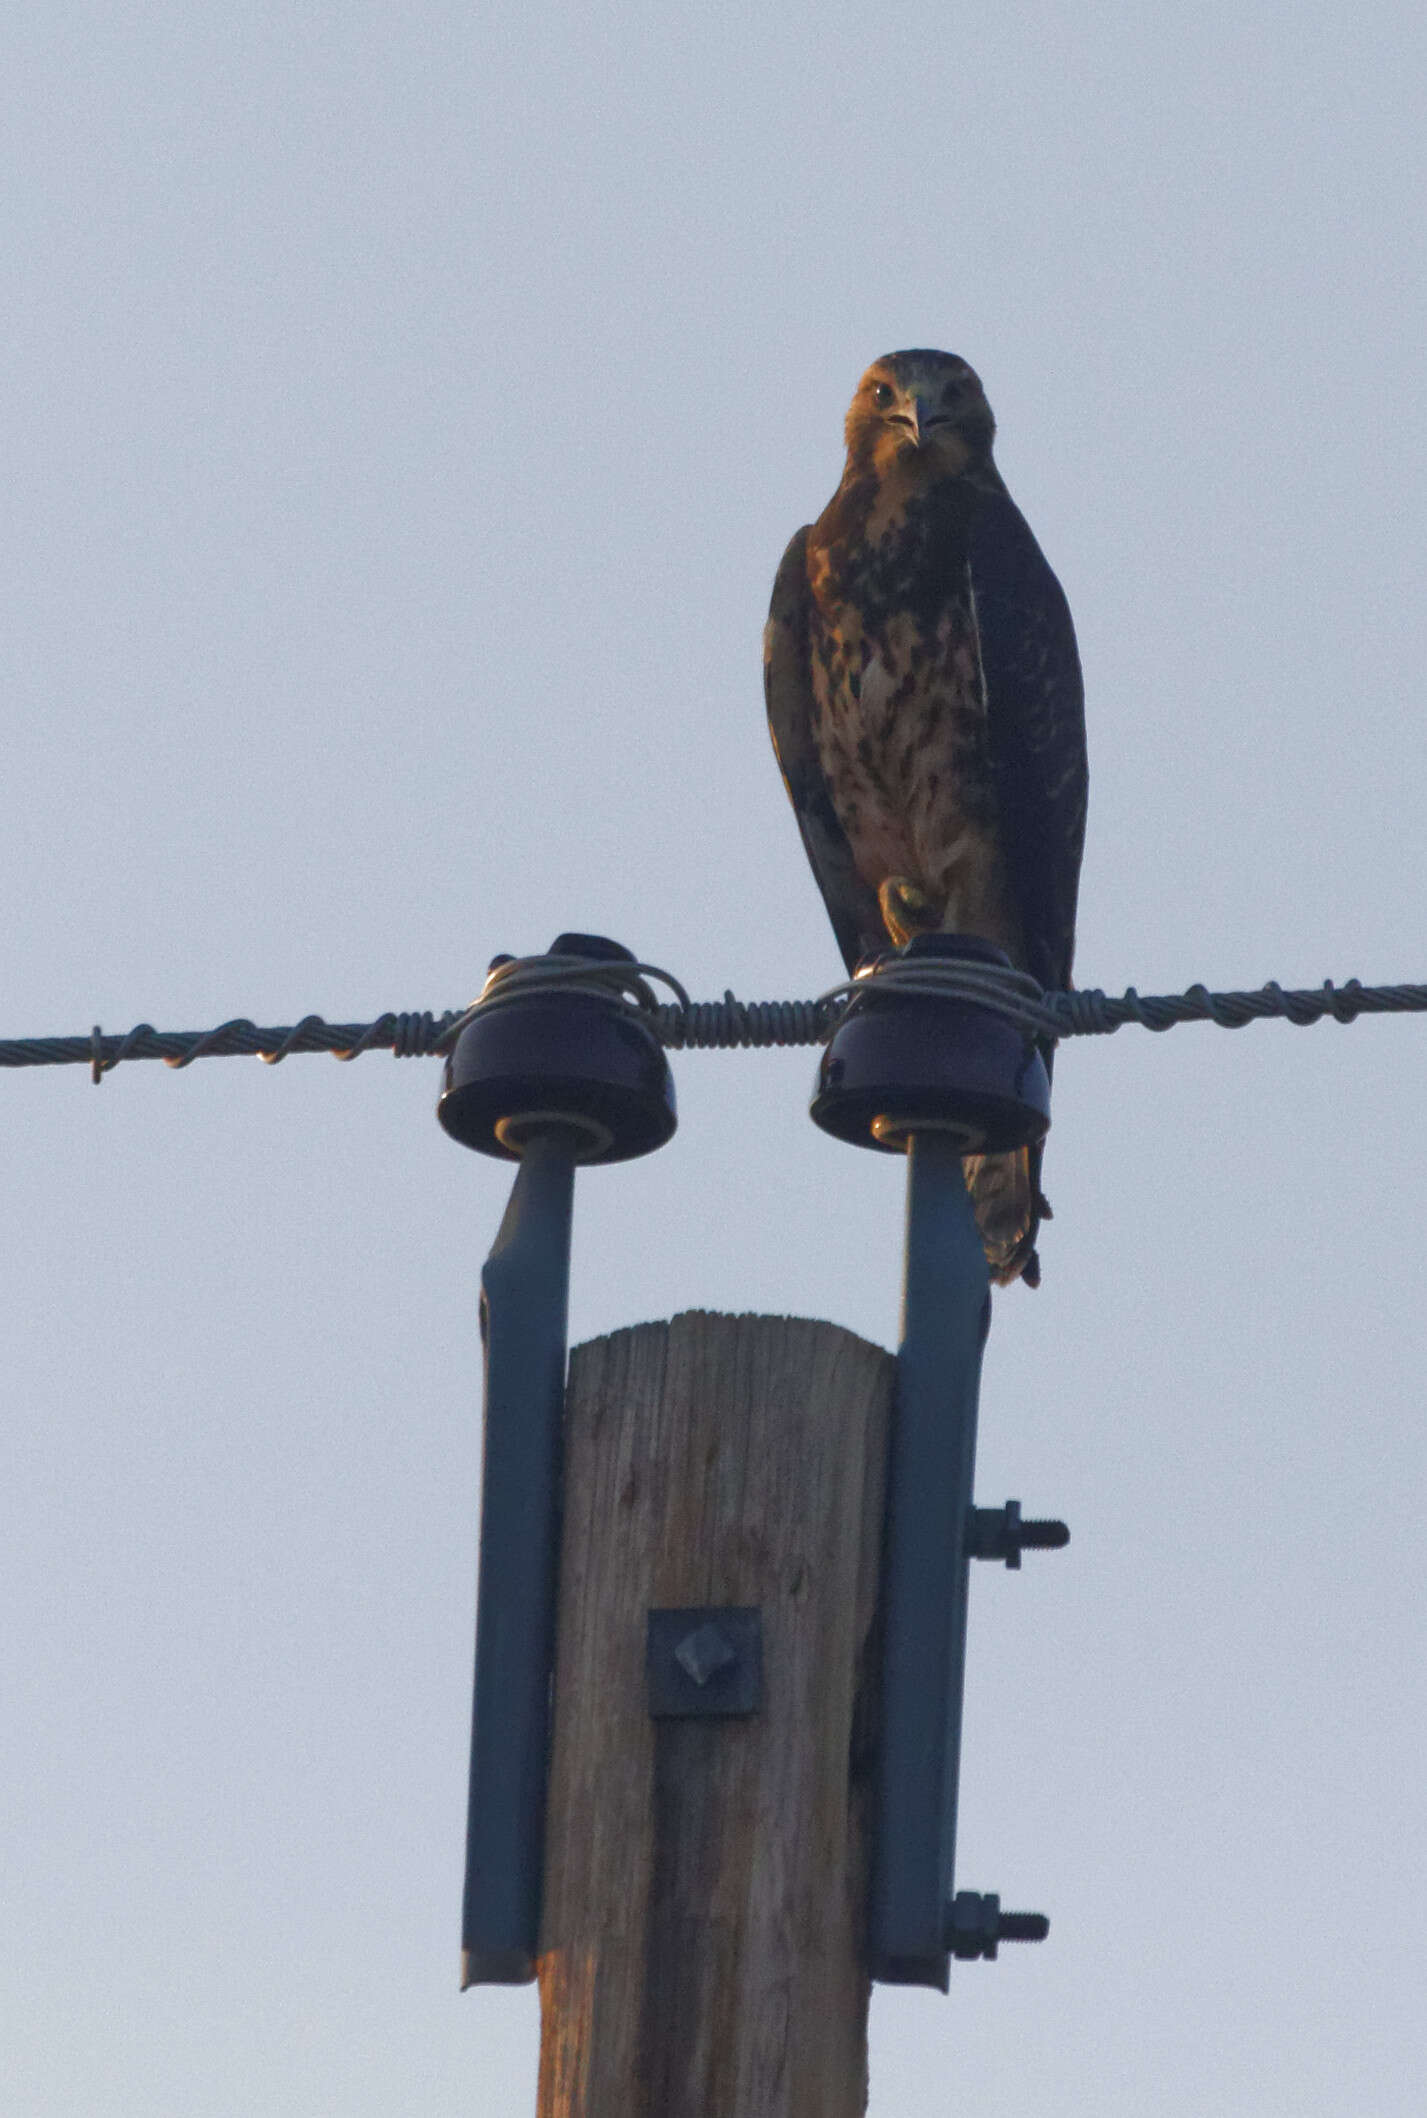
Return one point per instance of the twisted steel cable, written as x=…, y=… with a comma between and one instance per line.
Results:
x=729, y=1023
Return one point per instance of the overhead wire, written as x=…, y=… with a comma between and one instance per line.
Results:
x=728, y=1023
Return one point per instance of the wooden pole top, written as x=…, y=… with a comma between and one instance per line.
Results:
x=702, y=1946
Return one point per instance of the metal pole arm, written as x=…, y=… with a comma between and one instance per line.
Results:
x=524, y=1305
x=946, y=1310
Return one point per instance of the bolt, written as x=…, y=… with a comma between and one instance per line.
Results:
x=999, y=1533
x=1045, y=1536
x=702, y=1653
x=976, y=1925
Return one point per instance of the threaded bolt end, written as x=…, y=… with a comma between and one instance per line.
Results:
x=1044, y=1536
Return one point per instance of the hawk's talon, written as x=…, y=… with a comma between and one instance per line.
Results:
x=906, y=909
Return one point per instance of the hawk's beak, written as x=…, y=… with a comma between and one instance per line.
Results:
x=928, y=413
x=912, y=416
x=919, y=415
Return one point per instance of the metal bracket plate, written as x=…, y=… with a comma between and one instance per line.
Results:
x=705, y=1661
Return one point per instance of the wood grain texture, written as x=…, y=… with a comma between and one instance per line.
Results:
x=702, y=1945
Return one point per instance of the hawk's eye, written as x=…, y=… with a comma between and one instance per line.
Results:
x=882, y=395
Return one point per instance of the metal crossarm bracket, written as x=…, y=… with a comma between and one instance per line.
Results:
x=945, y=1313
x=524, y=1300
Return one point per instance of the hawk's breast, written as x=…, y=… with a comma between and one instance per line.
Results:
x=901, y=734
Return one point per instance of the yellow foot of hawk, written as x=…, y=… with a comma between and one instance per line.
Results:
x=906, y=909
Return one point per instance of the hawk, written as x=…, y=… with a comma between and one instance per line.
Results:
x=925, y=703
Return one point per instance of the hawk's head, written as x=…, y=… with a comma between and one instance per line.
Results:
x=920, y=408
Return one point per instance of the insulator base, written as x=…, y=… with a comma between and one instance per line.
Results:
x=560, y=1056
x=905, y=1062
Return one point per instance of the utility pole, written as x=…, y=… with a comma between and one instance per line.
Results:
x=723, y=1575
x=701, y=1950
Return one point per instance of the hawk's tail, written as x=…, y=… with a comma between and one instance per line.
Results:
x=1006, y=1196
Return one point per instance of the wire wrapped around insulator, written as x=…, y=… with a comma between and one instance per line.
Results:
x=997, y=987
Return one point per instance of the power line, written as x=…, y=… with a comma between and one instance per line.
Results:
x=731, y=1023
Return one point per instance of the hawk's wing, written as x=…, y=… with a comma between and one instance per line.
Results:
x=787, y=686
x=1036, y=715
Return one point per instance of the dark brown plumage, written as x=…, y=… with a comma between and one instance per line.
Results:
x=925, y=702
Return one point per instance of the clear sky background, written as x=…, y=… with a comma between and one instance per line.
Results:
x=407, y=411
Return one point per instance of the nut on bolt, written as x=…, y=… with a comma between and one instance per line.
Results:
x=976, y=1926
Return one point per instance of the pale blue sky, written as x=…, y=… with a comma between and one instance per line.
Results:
x=408, y=409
